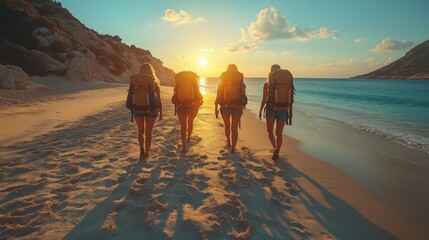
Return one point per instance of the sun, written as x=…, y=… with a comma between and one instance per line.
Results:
x=202, y=62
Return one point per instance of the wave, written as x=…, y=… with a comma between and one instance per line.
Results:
x=364, y=98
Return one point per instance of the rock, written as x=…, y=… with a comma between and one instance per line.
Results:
x=52, y=65
x=83, y=54
x=84, y=67
x=46, y=37
x=13, y=77
x=414, y=65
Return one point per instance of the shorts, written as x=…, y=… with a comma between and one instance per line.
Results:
x=152, y=114
x=277, y=114
x=186, y=109
x=226, y=110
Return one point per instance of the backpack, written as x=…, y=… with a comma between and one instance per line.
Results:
x=232, y=90
x=186, y=91
x=141, y=94
x=281, y=90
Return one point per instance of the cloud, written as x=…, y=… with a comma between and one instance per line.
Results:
x=180, y=17
x=272, y=53
x=374, y=62
x=207, y=50
x=359, y=40
x=184, y=57
x=240, y=47
x=343, y=63
x=270, y=24
x=389, y=44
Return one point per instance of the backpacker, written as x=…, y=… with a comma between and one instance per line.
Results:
x=141, y=95
x=281, y=89
x=186, y=92
x=232, y=90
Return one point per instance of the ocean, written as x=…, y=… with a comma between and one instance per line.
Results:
x=395, y=109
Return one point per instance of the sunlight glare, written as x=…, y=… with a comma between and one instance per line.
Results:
x=202, y=62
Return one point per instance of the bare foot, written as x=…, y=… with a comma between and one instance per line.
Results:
x=276, y=155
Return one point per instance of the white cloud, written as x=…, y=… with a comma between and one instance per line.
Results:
x=240, y=47
x=359, y=40
x=343, y=63
x=270, y=24
x=286, y=53
x=184, y=57
x=374, y=62
x=272, y=53
x=207, y=50
x=389, y=44
x=180, y=17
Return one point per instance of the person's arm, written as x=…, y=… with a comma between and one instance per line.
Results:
x=158, y=94
x=264, y=99
x=217, y=98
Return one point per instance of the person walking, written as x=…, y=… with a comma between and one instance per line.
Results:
x=144, y=101
x=277, y=100
x=232, y=99
x=187, y=99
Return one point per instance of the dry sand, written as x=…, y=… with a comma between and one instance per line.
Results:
x=79, y=178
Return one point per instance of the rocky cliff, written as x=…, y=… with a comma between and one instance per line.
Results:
x=43, y=38
x=414, y=65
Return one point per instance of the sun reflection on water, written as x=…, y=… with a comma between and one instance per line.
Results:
x=202, y=82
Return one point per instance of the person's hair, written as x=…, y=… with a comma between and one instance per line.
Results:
x=275, y=67
x=147, y=68
x=232, y=67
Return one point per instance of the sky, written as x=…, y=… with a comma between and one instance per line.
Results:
x=312, y=39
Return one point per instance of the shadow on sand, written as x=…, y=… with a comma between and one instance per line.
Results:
x=269, y=216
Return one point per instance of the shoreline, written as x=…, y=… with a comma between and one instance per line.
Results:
x=399, y=194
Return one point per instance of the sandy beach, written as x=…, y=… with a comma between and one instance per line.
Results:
x=69, y=170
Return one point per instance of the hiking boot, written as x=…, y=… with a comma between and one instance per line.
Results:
x=275, y=155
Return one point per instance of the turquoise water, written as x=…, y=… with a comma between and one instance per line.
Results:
x=395, y=109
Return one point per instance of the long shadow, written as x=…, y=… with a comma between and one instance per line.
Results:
x=89, y=227
x=266, y=222
x=340, y=219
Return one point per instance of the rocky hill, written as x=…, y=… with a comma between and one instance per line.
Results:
x=414, y=65
x=43, y=38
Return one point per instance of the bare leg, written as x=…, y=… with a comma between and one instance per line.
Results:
x=191, y=118
x=149, y=125
x=227, y=123
x=140, y=128
x=270, y=131
x=279, y=133
x=234, y=130
x=183, y=119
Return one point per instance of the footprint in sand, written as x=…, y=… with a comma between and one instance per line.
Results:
x=292, y=189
